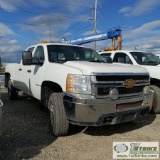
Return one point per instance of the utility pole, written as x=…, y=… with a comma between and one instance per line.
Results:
x=50, y=32
x=95, y=22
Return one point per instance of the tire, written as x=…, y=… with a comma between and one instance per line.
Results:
x=156, y=100
x=12, y=92
x=58, y=118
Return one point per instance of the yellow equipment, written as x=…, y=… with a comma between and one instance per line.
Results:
x=119, y=44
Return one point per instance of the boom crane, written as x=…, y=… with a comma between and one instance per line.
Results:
x=113, y=34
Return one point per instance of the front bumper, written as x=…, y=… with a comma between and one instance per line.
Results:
x=96, y=112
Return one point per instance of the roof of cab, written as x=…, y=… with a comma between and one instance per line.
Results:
x=44, y=43
x=123, y=51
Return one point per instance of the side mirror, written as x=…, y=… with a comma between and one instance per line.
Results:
x=26, y=58
x=109, y=60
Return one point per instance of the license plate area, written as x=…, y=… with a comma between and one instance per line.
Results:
x=128, y=105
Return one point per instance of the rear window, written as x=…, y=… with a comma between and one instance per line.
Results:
x=105, y=56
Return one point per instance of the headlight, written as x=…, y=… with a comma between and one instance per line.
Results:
x=113, y=93
x=78, y=84
x=146, y=90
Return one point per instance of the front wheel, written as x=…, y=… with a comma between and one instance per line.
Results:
x=12, y=92
x=156, y=100
x=58, y=118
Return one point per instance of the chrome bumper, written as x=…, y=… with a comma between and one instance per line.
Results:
x=96, y=112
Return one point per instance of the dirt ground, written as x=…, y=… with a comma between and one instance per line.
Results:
x=27, y=134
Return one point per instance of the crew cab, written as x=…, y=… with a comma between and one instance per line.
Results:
x=144, y=59
x=79, y=87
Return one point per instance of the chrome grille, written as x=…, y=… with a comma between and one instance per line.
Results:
x=102, y=83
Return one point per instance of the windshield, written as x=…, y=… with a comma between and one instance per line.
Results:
x=144, y=58
x=62, y=53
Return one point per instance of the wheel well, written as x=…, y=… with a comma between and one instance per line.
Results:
x=47, y=88
x=7, y=77
x=154, y=81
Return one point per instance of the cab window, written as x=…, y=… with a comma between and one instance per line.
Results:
x=122, y=58
x=38, y=54
x=30, y=49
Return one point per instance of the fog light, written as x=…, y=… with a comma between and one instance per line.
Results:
x=113, y=93
x=146, y=90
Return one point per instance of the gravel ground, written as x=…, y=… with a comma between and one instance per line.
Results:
x=27, y=134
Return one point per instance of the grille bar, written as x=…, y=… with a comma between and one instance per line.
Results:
x=121, y=90
x=122, y=77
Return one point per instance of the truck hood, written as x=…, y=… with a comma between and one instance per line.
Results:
x=88, y=68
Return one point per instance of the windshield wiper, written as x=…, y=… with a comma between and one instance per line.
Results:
x=151, y=63
x=97, y=61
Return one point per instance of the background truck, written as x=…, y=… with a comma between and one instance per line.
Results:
x=78, y=87
x=144, y=59
x=1, y=111
x=1, y=104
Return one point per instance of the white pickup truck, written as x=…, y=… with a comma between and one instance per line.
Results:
x=78, y=87
x=144, y=59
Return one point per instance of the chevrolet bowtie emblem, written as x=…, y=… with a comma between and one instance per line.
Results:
x=129, y=83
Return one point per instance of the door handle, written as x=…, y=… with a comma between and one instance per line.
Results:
x=29, y=71
x=20, y=69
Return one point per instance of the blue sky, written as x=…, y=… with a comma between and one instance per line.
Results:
x=23, y=23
